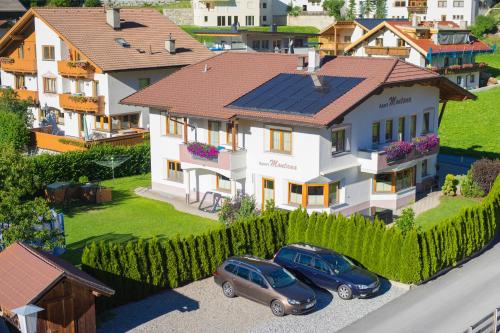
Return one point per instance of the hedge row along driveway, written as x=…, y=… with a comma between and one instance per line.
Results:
x=137, y=269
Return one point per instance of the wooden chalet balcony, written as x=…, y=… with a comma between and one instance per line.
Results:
x=19, y=65
x=465, y=68
x=417, y=6
x=82, y=103
x=75, y=68
x=25, y=94
x=388, y=51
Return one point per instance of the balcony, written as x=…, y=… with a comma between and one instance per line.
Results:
x=27, y=66
x=227, y=160
x=25, y=94
x=75, y=68
x=417, y=7
x=82, y=103
x=465, y=68
x=376, y=160
x=388, y=51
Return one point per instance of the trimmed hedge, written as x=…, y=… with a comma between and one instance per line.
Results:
x=72, y=165
x=138, y=269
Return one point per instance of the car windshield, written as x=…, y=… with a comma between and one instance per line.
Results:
x=339, y=263
x=279, y=278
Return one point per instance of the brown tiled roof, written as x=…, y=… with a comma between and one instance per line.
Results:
x=206, y=88
x=11, y=6
x=26, y=274
x=145, y=29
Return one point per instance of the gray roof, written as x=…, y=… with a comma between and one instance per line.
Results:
x=11, y=6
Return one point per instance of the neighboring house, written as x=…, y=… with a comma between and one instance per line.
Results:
x=10, y=11
x=77, y=64
x=257, y=41
x=441, y=46
x=303, y=135
x=431, y=10
x=46, y=293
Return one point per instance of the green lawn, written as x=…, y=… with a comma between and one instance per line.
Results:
x=448, y=207
x=128, y=217
x=492, y=59
x=473, y=127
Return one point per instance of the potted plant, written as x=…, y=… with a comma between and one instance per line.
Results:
x=424, y=144
x=203, y=151
x=398, y=150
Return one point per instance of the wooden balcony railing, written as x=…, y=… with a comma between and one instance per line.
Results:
x=452, y=69
x=388, y=51
x=75, y=68
x=25, y=95
x=19, y=65
x=82, y=103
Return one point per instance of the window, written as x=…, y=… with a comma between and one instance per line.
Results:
x=405, y=179
x=80, y=87
x=424, y=172
x=446, y=61
x=401, y=43
x=379, y=42
x=383, y=182
x=174, y=171
x=59, y=117
x=125, y=122
x=304, y=259
x=264, y=5
x=413, y=126
x=460, y=61
x=321, y=265
x=267, y=190
x=173, y=126
x=347, y=39
x=315, y=195
x=101, y=122
x=206, y=19
x=48, y=53
x=49, y=85
x=281, y=140
x=235, y=19
x=213, y=132
x=472, y=78
x=426, y=123
x=277, y=44
x=20, y=82
x=223, y=183
x=95, y=88
x=333, y=193
x=20, y=51
x=265, y=44
x=286, y=254
x=230, y=268
x=264, y=18
x=388, y=130
x=458, y=3
x=295, y=194
x=144, y=82
x=81, y=121
x=459, y=80
x=249, y=20
x=229, y=20
x=399, y=3
x=375, y=133
x=442, y=4
x=257, y=279
x=304, y=8
x=338, y=141
x=221, y=21
x=243, y=273
x=443, y=17
x=256, y=44
x=229, y=133
x=401, y=128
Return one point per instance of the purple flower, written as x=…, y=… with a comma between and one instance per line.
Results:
x=203, y=150
x=426, y=143
x=398, y=150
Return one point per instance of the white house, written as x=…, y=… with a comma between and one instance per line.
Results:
x=272, y=126
x=442, y=46
x=78, y=63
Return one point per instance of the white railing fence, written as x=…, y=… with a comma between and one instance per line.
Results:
x=488, y=324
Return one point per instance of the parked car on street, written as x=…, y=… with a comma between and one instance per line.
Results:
x=327, y=269
x=265, y=282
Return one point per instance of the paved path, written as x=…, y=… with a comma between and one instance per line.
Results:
x=177, y=202
x=449, y=303
x=201, y=307
x=430, y=201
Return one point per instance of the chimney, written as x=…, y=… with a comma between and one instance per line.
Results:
x=301, y=63
x=170, y=44
x=113, y=17
x=312, y=60
x=414, y=20
x=463, y=25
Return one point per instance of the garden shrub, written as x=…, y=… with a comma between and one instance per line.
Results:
x=406, y=221
x=468, y=188
x=70, y=166
x=450, y=185
x=484, y=173
x=138, y=269
x=483, y=25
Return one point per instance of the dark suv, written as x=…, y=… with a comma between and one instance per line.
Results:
x=264, y=282
x=327, y=269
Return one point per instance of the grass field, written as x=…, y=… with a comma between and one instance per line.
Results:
x=492, y=59
x=472, y=127
x=448, y=207
x=128, y=217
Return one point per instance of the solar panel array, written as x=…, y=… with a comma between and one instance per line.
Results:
x=296, y=94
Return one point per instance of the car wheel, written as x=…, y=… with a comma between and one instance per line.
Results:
x=228, y=290
x=344, y=292
x=277, y=308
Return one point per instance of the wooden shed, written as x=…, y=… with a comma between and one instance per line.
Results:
x=65, y=293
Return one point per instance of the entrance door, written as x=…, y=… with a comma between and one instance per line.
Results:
x=267, y=190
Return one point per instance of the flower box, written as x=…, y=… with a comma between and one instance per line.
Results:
x=398, y=150
x=203, y=151
x=426, y=143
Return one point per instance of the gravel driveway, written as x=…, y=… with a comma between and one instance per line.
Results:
x=201, y=307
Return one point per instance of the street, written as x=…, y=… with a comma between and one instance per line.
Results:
x=449, y=303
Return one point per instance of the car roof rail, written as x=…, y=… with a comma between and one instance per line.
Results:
x=305, y=246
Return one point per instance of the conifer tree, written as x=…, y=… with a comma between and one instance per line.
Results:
x=171, y=263
x=351, y=10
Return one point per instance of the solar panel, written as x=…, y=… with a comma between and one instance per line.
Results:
x=296, y=93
